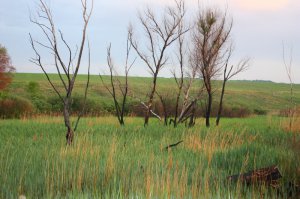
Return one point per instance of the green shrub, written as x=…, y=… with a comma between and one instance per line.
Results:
x=260, y=112
x=232, y=111
x=41, y=105
x=33, y=88
x=55, y=103
x=90, y=106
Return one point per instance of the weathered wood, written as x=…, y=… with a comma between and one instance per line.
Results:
x=173, y=145
x=269, y=176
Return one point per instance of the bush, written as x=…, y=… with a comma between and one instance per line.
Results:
x=40, y=104
x=232, y=112
x=260, y=112
x=15, y=107
x=286, y=112
x=91, y=107
x=33, y=88
x=56, y=104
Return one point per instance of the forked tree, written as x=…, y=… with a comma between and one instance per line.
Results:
x=6, y=68
x=184, y=85
x=160, y=33
x=211, y=46
x=67, y=64
x=184, y=79
x=228, y=73
x=181, y=60
x=116, y=85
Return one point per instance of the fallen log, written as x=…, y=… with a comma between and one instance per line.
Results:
x=268, y=176
x=173, y=145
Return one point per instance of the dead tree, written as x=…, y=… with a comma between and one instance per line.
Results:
x=180, y=57
x=228, y=74
x=114, y=82
x=210, y=41
x=189, y=103
x=67, y=70
x=160, y=34
x=288, y=68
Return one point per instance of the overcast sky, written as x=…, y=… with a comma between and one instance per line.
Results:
x=260, y=28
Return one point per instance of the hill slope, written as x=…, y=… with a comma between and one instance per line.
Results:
x=254, y=95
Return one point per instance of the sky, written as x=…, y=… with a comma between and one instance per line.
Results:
x=260, y=27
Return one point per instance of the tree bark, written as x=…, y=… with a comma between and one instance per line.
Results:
x=177, y=105
x=70, y=132
x=208, y=110
x=150, y=102
x=221, y=104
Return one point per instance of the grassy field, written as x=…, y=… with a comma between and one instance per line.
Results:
x=254, y=95
x=109, y=161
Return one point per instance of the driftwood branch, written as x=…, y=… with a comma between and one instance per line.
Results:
x=173, y=145
x=151, y=111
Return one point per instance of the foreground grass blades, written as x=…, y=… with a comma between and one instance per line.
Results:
x=108, y=161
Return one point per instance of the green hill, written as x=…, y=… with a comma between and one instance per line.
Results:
x=256, y=96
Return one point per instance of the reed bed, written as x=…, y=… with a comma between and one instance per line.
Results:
x=108, y=161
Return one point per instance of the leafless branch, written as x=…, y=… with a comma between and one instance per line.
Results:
x=160, y=34
x=44, y=21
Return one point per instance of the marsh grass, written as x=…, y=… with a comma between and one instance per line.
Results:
x=108, y=161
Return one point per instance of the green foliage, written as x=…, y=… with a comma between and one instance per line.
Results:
x=33, y=88
x=56, y=104
x=242, y=98
x=107, y=161
x=3, y=50
x=90, y=107
x=260, y=112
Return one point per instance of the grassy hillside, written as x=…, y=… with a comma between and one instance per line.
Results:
x=254, y=95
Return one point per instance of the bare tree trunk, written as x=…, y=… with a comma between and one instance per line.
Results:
x=70, y=132
x=165, y=109
x=150, y=102
x=192, y=117
x=160, y=33
x=221, y=104
x=208, y=109
x=66, y=72
x=211, y=44
x=120, y=109
x=242, y=66
x=177, y=102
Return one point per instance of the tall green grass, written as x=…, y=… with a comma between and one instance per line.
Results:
x=108, y=161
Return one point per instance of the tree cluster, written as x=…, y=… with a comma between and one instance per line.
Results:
x=202, y=49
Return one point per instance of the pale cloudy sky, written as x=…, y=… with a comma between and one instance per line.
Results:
x=260, y=28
